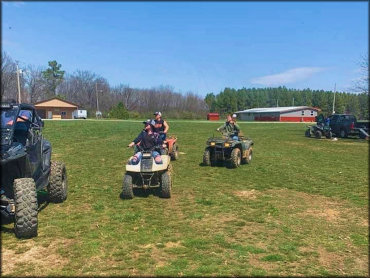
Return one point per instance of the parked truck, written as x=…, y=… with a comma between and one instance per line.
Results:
x=344, y=125
x=79, y=114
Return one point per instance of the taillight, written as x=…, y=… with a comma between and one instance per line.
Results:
x=352, y=126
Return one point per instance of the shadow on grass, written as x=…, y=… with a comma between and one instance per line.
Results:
x=43, y=201
x=143, y=193
x=219, y=164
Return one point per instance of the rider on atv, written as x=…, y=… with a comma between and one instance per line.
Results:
x=230, y=127
x=160, y=126
x=146, y=140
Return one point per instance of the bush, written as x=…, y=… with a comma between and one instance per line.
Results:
x=119, y=112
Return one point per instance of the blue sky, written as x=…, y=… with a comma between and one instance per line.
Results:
x=200, y=47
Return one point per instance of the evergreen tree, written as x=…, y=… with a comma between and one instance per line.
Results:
x=53, y=77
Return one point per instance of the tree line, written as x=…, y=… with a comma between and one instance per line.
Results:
x=231, y=100
x=84, y=87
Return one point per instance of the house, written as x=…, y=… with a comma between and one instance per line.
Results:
x=55, y=108
x=280, y=114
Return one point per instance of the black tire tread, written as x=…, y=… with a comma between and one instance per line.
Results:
x=26, y=208
x=246, y=160
x=235, y=154
x=57, y=193
x=165, y=187
x=127, y=190
x=175, y=152
x=207, y=158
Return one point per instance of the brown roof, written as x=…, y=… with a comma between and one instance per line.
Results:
x=55, y=102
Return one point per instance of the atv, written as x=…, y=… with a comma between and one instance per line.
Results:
x=224, y=148
x=319, y=129
x=147, y=174
x=172, y=147
x=26, y=168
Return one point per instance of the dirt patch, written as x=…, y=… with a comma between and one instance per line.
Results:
x=173, y=244
x=255, y=261
x=327, y=213
x=328, y=259
x=329, y=208
x=248, y=194
x=42, y=258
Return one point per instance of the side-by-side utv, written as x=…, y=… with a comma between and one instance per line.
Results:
x=26, y=168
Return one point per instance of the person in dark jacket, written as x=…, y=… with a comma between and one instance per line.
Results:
x=160, y=125
x=147, y=139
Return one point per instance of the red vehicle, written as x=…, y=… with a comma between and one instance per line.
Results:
x=172, y=147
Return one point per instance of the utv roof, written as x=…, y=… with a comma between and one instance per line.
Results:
x=5, y=105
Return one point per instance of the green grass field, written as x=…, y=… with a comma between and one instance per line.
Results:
x=300, y=208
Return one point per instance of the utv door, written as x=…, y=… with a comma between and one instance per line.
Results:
x=32, y=141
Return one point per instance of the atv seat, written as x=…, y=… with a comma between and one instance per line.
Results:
x=21, y=132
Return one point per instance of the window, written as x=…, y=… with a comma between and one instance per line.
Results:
x=63, y=113
x=302, y=112
x=311, y=113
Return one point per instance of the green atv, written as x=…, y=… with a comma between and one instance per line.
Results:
x=319, y=129
x=234, y=152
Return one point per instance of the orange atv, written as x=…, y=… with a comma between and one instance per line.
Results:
x=172, y=148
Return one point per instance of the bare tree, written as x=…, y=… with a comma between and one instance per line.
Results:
x=8, y=77
x=362, y=84
x=35, y=83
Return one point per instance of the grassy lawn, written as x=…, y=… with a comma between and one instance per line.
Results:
x=300, y=208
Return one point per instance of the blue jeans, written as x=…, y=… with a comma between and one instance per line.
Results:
x=137, y=157
x=163, y=136
x=234, y=137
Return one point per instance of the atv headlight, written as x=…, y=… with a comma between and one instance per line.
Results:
x=227, y=144
x=212, y=143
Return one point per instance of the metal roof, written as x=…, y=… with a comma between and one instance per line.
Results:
x=277, y=109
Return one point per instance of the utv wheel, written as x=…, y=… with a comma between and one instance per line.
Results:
x=175, y=152
x=58, y=183
x=165, y=187
x=307, y=133
x=329, y=135
x=235, y=158
x=318, y=134
x=127, y=191
x=249, y=157
x=25, y=199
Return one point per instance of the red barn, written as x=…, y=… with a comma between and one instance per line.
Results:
x=279, y=114
x=213, y=116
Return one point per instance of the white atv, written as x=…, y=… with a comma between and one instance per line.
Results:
x=148, y=174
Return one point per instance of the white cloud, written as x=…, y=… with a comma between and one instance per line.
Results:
x=287, y=77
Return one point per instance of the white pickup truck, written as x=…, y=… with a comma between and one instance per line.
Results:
x=79, y=114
